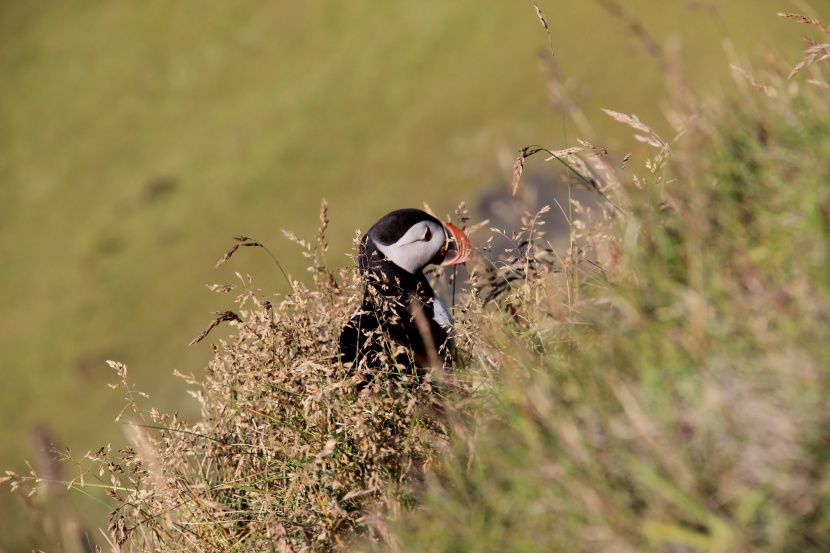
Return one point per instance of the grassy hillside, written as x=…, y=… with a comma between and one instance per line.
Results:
x=664, y=390
x=135, y=140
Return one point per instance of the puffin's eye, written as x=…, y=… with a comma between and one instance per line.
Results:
x=427, y=235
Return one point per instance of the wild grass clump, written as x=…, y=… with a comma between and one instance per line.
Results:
x=671, y=394
x=288, y=454
x=292, y=451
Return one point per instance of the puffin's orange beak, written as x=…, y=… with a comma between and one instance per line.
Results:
x=458, y=248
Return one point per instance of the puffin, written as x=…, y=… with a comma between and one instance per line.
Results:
x=401, y=321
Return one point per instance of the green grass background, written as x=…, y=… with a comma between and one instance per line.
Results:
x=136, y=139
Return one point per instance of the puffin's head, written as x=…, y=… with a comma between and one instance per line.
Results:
x=413, y=239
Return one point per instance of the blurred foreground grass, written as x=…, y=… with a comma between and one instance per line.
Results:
x=135, y=140
x=677, y=399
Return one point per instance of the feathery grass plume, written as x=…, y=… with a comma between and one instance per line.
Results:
x=815, y=51
x=518, y=169
x=753, y=81
x=45, y=494
x=541, y=16
x=220, y=288
x=227, y=255
x=530, y=255
x=245, y=241
x=650, y=137
x=220, y=317
x=656, y=164
x=519, y=166
x=808, y=20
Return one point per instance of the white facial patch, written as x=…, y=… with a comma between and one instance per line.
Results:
x=415, y=249
x=442, y=315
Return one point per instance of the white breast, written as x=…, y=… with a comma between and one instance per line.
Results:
x=441, y=314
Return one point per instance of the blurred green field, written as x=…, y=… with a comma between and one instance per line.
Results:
x=135, y=140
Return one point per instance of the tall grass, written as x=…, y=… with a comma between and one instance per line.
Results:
x=680, y=403
x=660, y=387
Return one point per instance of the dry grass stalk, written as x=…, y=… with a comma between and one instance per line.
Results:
x=541, y=16
x=219, y=318
x=649, y=136
x=635, y=26
x=807, y=20
x=519, y=165
x=245, y=241
x=813, y=54
x=752, y=80
x=815, y=51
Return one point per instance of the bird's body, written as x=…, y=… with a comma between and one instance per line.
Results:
x=401, y=321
